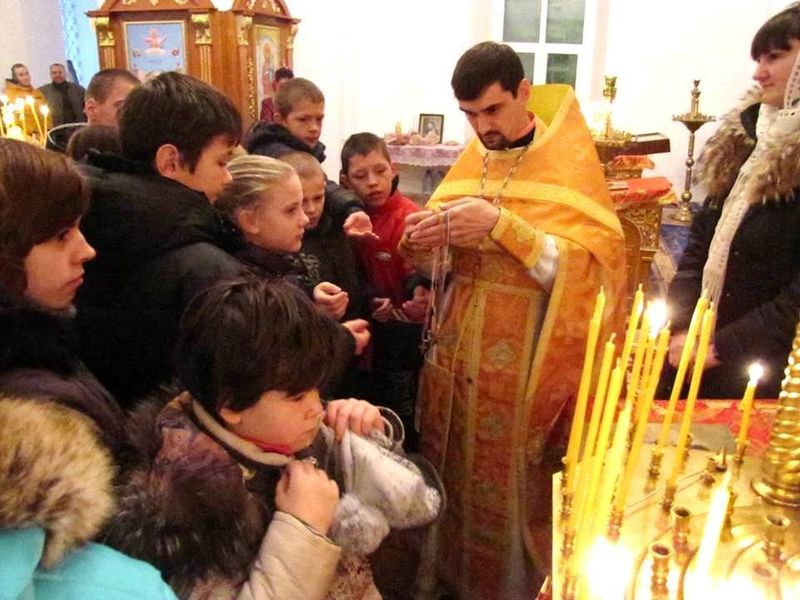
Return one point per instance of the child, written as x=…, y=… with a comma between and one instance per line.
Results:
x=298, y=125
x=230, y=501
x=399, y=304
x=151, y=219
x=42, y=260
x=327, y=251
x=265, y=200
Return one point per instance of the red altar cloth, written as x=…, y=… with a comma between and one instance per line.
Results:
x=726, y=412
x=628, y=192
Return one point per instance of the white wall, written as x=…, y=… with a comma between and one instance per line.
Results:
x=656, y=49
x=378, y=62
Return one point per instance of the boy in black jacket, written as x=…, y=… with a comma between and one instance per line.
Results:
x=158, y=237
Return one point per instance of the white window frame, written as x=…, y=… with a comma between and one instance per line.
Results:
x=586, y=74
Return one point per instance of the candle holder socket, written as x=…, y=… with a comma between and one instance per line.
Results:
x=741, y=449
x=727, y=530
x=710, y=474
x=568, y=589
x=567, y=498
x=661, y=555
x=669, y=497
x=681, y=528
x=614, y=524
x=567, y=545
x=655, y=463
x=774, y=536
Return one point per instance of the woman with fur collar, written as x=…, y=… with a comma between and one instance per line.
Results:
x=42, y=253
x=55, y=494
x=744, y=245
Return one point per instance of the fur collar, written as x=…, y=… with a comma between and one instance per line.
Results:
x=775, y=176
x=54, y=474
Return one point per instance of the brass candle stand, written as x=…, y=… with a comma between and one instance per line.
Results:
x=757, y=552
x=607, y=140
x=693, y=120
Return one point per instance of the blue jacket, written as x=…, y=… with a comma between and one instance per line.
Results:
x=93, y=571
x=56, y=493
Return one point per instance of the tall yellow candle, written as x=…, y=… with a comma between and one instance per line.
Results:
x=641, y=349
x=697, y=374
x=45, y=110
x=633, y=324
x=642, y=412
x=746, y=405
x=597, y=409
x=29, y=101
x=680, y=375
x=20, y=104
x=576, y=433
x=590, y=484
x=613, y=467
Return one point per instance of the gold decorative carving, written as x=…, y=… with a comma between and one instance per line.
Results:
x=154, y=2
x=251, y=4
x=202, y=33
x=105, y=36
x=290, y=38
x=245, y=27
x=129, y=2
x=251, y=86
x=181, y=2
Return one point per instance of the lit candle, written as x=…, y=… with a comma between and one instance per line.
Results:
x=20, y=104
x=608, y=569
x=712, y=530
x=697, y=374
x=633, y=323
x=589, y=485
x=642, y=412
x=15, y=133
x=686, y=354
x=746, y=405
x=658, y=316
x=576, y=433
x=29, y=102
x=45, y=110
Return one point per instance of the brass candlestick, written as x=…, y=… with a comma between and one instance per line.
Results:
x=607, y=140
x=693, y=120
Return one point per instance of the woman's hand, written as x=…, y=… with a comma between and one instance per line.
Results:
x=307, y=493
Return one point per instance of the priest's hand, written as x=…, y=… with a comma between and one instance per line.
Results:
x=470, y=220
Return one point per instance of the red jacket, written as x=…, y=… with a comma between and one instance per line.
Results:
x=385, y=269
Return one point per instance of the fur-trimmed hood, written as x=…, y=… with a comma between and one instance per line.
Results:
x=54, y=474
x=775, y=176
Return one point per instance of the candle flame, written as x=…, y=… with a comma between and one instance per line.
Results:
x=608, y=568
x=29, y=100
x=44, y=109
x=3, y=98
x=658, y=316
x=755, y=371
